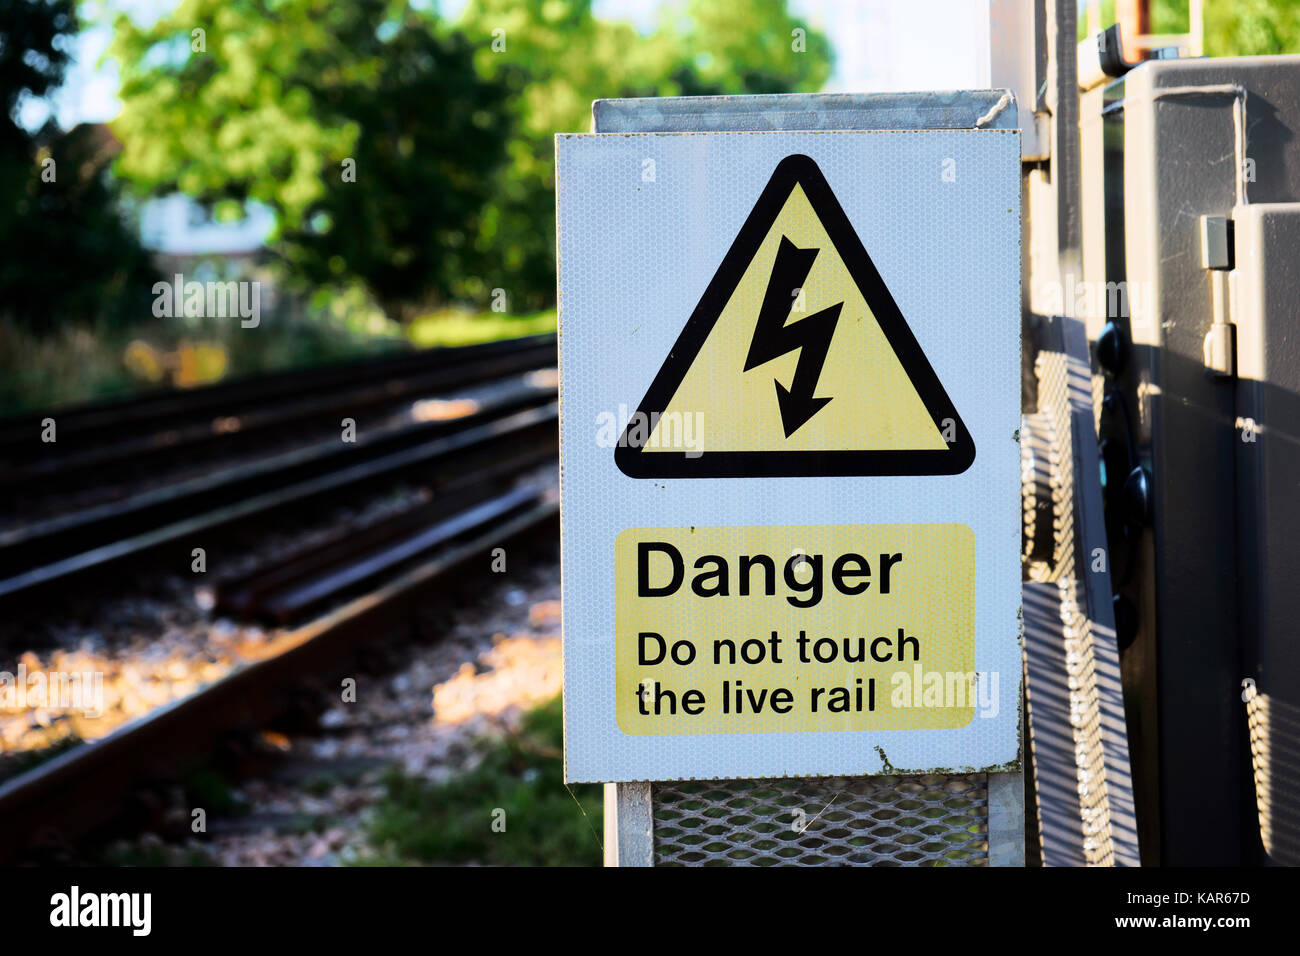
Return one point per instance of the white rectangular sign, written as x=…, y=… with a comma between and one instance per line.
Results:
x=790, y=470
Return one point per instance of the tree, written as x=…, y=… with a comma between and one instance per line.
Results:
x=66, y=252
x=570, y=58
x=34, y=36
x=746, y=46
x=1232, y=27
x=362, y=125
x=232, y=100
x=1251, y=27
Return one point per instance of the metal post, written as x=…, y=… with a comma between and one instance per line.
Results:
x=629, y=825
x=1006, y=819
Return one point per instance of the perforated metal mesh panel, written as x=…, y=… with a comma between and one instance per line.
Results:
x=849, y=821
x=1078, y=735
x=1273, y=726
x=1047, y=460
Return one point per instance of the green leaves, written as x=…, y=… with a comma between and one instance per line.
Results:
x=449, y=131
x=364, y=126
x=1251, y=28
x=569, y=58
x=65, y=252
x=33, y=52
x=237, y=120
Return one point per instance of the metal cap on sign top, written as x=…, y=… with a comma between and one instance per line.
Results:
x=949, y=109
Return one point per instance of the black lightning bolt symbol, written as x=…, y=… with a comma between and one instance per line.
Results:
x=810, y=337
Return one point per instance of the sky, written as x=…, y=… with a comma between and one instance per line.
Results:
x=880, y=46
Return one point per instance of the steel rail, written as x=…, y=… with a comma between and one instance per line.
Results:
x=83, y=788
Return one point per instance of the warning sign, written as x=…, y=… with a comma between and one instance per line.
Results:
x=747, y=630
x=789, y=458
x=796, y=361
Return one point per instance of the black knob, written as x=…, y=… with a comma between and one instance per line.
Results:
x=1126, y=621
x=1115, y=466
x=1112, y=350
x=1137, y=498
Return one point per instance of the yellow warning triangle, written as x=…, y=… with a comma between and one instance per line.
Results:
x=796, y=362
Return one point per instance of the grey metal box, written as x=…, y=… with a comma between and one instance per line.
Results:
x=1211, y=567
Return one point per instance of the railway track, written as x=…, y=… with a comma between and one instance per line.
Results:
x=158, y=413
x=82, y=789
x=492, y=429
x=122, y=440
x=505, y=424
x=312, y=577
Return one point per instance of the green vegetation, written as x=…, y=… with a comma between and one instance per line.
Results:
x=1251, y=27
x=1233, y=28
x=451, y=126
x=211, y=789
x=520, y=775
x=1167, y=16
x=65, y=247
x=362, y=125
x=84, y=363
x=462, y=327
x=94, y=361
x=569, y=57
x=408, y=163
x=152, y=854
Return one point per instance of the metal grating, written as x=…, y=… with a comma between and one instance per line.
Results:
x=1273, y=725
x=1078, y=736
x=933, y=820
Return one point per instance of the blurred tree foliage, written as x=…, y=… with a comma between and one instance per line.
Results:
x=34, y=37
x=452, y=134
x=1232, y=27
x=66, y=253
x=570, y=57
x=1250, y=27
x=363, y=125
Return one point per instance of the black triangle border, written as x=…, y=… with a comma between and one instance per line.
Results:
x=956, y=458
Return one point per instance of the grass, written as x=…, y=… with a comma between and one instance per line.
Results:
x=453, y=327
x=85, y=362
x=88, y=362
x=153, y=855
x=519, y=782
x=70, y=365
